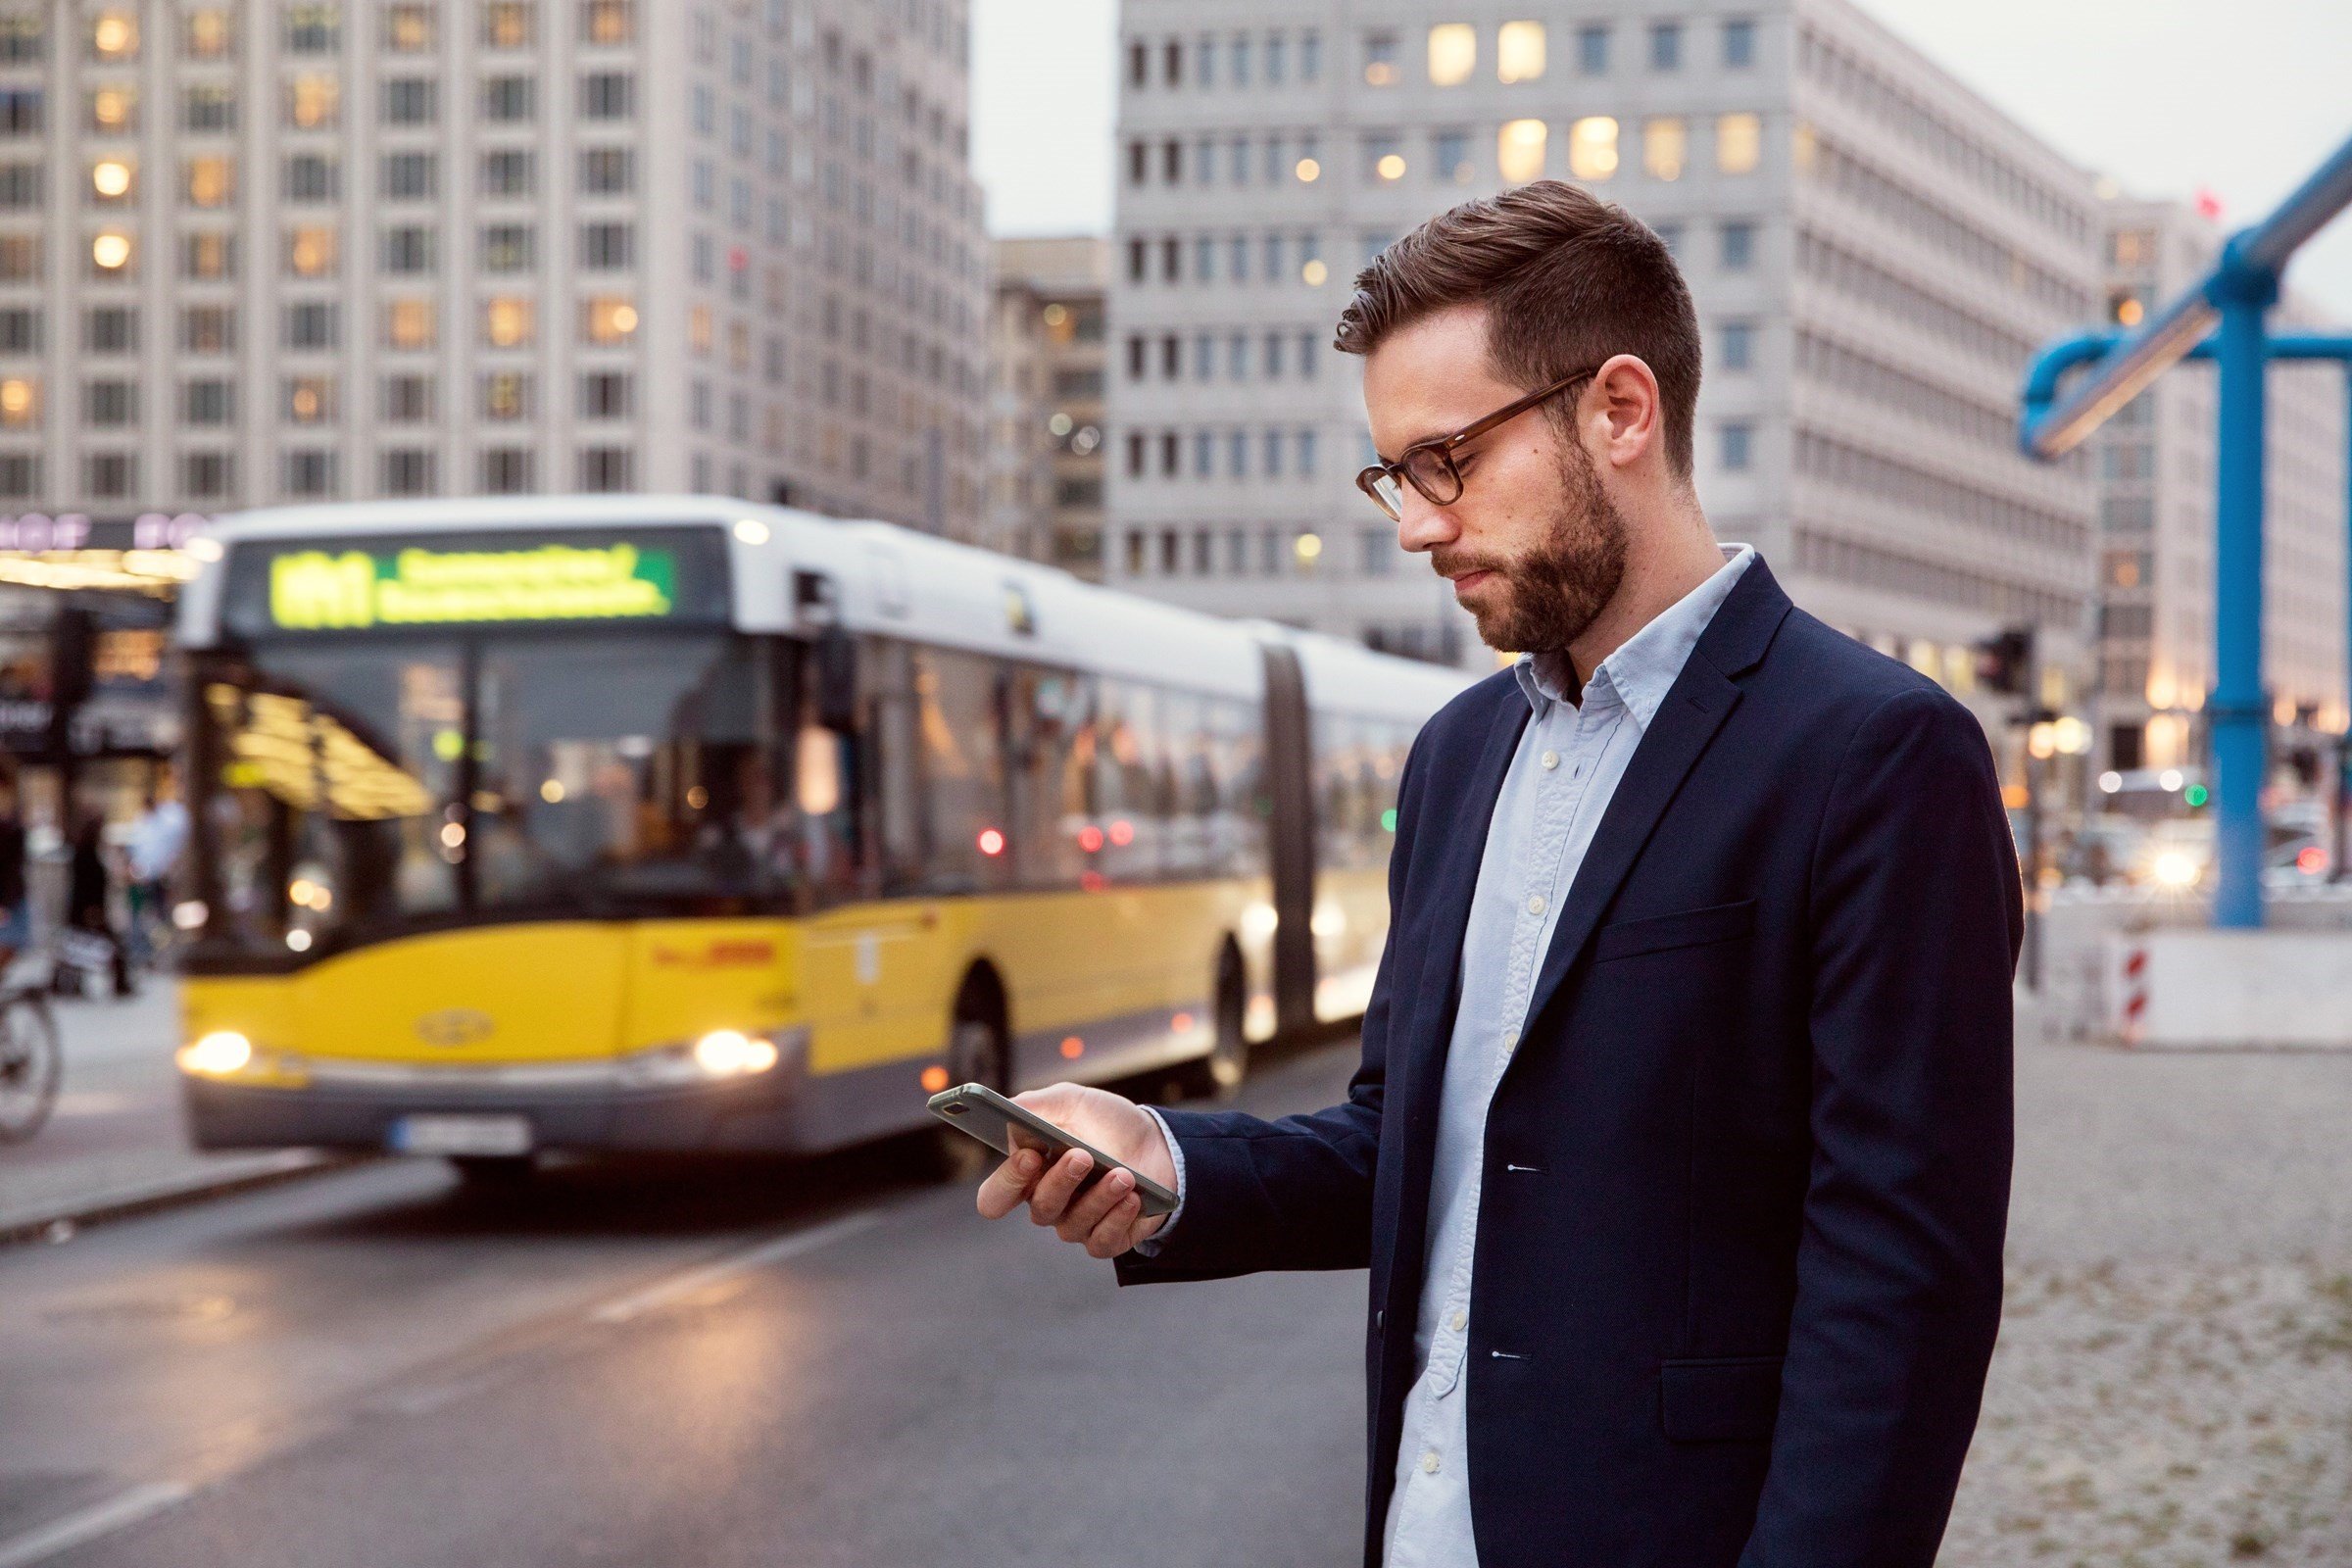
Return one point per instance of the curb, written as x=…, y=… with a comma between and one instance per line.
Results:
x=125, y=1203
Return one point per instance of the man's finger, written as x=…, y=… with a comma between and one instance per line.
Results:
x=1116, y=1232
x=1007, y=1187
x=1078, y=1222
x=1054, y=1188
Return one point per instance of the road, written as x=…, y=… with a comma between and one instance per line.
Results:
x=808, y=1364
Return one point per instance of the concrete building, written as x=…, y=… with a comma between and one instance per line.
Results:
x=1875, y=251
x=1046, y=364
x=254, y=253
x=2156, y=515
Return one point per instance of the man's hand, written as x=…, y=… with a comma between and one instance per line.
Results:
x=1108, y=1217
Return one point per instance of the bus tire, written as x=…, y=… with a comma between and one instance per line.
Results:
x=978, y=1052
x=1219, y=1075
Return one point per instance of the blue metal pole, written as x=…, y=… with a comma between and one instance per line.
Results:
x=2237, y=714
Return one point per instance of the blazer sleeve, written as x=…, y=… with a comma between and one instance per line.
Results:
x=1915, y=924
x=1293, y=1194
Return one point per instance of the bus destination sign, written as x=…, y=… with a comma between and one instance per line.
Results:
x=353, y=589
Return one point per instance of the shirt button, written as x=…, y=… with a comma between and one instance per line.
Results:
x=1429, y=1463
x=1552, y=758
x=1511, y=1037
x=1459, y=1321
x=1535, y=905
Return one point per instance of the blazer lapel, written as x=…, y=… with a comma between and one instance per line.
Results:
x=1702, y=699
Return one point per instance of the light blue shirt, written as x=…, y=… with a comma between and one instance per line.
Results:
x=1560, y=781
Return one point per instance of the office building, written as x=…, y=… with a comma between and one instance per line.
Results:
x=308, y=250
x=1046, y=386
x=1875, y=251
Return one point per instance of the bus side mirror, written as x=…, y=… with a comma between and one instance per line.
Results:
x=837, y=679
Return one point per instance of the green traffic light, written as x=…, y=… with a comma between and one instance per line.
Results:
x=1388, y=820
x=2196, y=795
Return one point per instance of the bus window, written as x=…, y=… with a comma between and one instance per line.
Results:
x=963, y=771
x=893, y=755
x=1046, y=714
x=1189, y=792
x=1127, y=780
x=1239, y=827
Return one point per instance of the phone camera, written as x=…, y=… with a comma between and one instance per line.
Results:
x=952, y=1110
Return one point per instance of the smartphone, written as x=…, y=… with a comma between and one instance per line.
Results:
x=1008, y=1129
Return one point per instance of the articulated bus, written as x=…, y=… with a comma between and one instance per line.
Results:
x=644, y=823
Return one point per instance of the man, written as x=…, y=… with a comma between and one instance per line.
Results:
x=1679, y=1149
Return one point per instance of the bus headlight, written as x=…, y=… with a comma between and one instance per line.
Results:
x=732, y=1054
x=218, y=1054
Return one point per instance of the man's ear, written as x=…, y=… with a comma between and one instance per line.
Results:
x=1625, y=411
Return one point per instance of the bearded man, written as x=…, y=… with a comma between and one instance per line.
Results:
x=1679, y=1154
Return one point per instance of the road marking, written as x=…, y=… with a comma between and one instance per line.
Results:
x=88, y=1523
x=679, y=1287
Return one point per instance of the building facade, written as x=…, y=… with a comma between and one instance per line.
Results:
x=2156, y=523
x=1875, y=253
x=254, y=253
x=1046, y=371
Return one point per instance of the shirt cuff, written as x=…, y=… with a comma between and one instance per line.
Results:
x=1150, y=1245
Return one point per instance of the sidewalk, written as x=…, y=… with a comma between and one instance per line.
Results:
x=115, y=1141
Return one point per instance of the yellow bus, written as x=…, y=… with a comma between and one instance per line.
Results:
x=646, y=823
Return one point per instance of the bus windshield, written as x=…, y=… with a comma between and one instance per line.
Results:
x=387, y=783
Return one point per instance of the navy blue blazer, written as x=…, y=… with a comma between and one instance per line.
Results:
x=1738, y=1257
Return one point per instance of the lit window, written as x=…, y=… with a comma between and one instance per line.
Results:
x=1593, y=147
x=109, y=179
x=1382, y=159
x=1519, y=52
x=1519, y=150
x=506, y=321
x=1453, y=53
x=410, y=324
x=1309, y=171
x=312, y=251
x=612, y=20
x=1738, y=143
x=313, y=101
x=311, y=399
x=507, y=24
x=1380, y=60
x=211, y=181
x=1665, y=143
x=115, y=109
x=110, y=252
x=115, y=35
x=612, y=319
x=408, y=27
x=207, y=35
x=20, y=403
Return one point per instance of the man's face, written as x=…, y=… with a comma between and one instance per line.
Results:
x=1533, y=546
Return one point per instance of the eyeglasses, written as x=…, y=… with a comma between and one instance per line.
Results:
x=1428, y=466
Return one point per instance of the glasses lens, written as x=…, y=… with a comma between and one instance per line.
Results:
x=1433, y=474
x=1382, y=486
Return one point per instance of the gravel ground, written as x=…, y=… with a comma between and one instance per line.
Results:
x=2174, y=1380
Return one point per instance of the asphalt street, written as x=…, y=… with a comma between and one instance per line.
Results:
x=812, y=1363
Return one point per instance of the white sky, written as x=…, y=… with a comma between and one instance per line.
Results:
x=2242, y=98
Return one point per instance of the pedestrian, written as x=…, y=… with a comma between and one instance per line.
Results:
x=1678, y=1152
x=15, y=907
x=157, y=840
x=89, y=887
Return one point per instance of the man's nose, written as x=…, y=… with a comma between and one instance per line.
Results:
x=1424, y=525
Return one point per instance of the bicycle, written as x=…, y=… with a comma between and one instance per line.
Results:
x=31, y=1061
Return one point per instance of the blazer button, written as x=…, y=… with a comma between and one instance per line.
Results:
x=1377, y=1316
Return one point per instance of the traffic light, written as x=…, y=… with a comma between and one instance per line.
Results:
x=2004, y=661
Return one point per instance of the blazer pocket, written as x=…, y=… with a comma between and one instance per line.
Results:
x=1686, y=928
x=1731, y=1399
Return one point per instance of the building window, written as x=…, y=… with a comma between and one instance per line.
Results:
x=510, y=171
x=311, y=399
x=1738, y=246
x=1382, y=159
x=111, y=476
x=411, y=324
x=410, y=472
x=1592, y=50
x=311, y=473
x=1593, y=147
x=207, y=109
x=1665, y=143
x=408, y=399
x=313, y=30
x=312, y=177
x=113, y=110
x=209, y=401
x=314, y=252
x=207, y=256
x=115, y=35
x=212, y=182
x=608, y=95
x=1739, y=42
x=1519, y=52
x=1451, y=159
x=113, y=256
x=1734, y=346
x=607, y=170
x=207, y=475
x=510, y=247
x=1738, y=143
x=1453, y=53
x=208, y=330
x=314, y=324
x=610, y=319
x=509, y=23
x=1666, y=46
x=204, y=35
x=409, y=250
x=607, y=22
x=313, y=102
x=109, y=404
x=20, y=112
x=411, y=101
x=507, y=472
x=408, y=27
x=1519, y=149
x=508, y=395
x=510, y=100
x=608, y=469
x=608, y=247
x=508, y=321
x=412, y=176
x=1380, y=60
x=19, y=330
x=607, y=395
x=1735, y=447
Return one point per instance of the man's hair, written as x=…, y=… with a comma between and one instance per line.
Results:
x=1567, y=280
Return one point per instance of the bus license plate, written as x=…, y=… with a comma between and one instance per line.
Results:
x=461, y=1135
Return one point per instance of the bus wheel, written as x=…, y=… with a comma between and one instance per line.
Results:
x=1219, y=1075
x=976, y=1054
x=494, y=1172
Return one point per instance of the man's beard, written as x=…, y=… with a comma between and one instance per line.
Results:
x=1559, y=587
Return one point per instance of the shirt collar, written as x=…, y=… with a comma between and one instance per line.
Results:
x=1645, y=666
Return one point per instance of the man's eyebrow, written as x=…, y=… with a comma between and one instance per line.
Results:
x=1419, y=440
